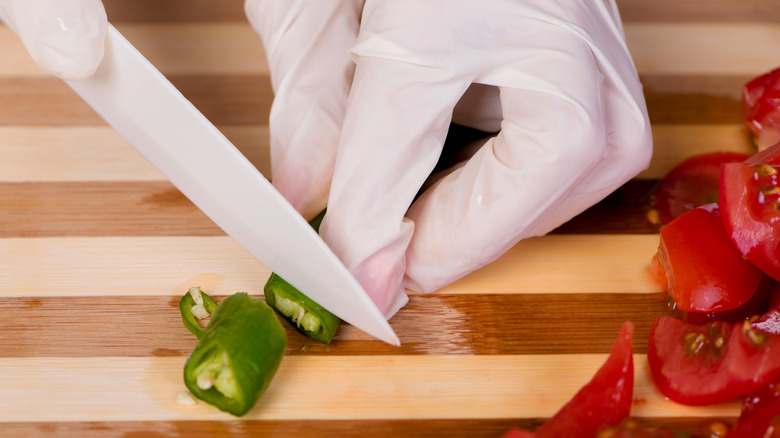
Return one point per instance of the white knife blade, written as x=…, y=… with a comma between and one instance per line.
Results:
x=150, y=113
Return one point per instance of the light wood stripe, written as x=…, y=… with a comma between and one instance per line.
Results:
x=675, y=143
x=117, y=266
x=98, y=153
x=234, y=48
x=139, y=266
x=703, y=48
x=307, y=387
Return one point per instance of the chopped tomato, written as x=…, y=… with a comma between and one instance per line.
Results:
x=756, y=305
x=769, y=322
x=692, y=183
x=711, y=363
x=604, y=400
x=704, y=272
x=761, y=108
x=750, y=201
x=760, y=415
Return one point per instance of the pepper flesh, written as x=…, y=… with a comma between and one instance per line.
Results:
x=187, y=306
x=299, y=310
x=237, y=356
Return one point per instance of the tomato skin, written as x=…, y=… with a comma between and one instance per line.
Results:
x=711, y=363
x=705, y=273
x=760, y=412
x=604, y=400
x=692, y=183
x=761, y=108
x=750, y=202
x=516, y=432
x=756, y=305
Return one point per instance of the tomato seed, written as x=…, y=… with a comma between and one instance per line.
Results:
x=755, y=337
x=770, y=190
x=765, y=170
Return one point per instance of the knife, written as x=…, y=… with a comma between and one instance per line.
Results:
x=152, y=115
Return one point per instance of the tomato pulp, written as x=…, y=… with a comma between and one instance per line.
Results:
x=711, y=363
x=692, y=183
x=750, y=202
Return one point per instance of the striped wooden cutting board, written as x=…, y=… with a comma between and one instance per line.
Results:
x=96, y=248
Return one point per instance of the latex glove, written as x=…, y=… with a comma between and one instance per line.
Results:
x=64, y=37
x=307, y=44
x=574, y=128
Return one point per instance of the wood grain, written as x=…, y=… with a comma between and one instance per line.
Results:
x=169, y=265
x=96, y=248
x=323, y=387
x=480, y=323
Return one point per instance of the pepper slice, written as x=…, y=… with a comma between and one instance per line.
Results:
x=300, y=311
x=196, y=305
x=237, y=356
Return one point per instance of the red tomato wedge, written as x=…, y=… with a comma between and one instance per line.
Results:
x=711, y=363
x=692, y=183
x=704, y=272
x=760, y=415
x=750, y=202
x=761, y=108
x=604, y=400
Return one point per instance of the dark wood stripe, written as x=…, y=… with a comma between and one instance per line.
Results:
x=692, y=11
x=246, y=99
x=157, y=208
x=631, y=10
x=225, y=100
x=465, y=428
x=431, y=324
x=694, y=99
x=174, y=10
x=99, y=209
x=628, y=210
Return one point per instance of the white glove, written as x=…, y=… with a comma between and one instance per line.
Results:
x=573, y=128
x=307, y=44
x=64, y=37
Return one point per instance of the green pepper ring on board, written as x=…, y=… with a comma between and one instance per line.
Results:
x=237, y=356
x=300, y=311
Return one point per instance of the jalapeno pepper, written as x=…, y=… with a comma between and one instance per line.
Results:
x=196, y=305
x=300, y=311
x=237, y=356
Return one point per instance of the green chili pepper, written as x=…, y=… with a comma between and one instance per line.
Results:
x=194, y=306
x=300, y=311
x=237, y=356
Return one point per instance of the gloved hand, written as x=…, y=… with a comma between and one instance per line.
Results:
x=556, y=82
x=64, y=37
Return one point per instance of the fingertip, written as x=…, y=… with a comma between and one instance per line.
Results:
x=65, y=38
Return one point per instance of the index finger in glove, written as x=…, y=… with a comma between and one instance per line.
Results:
x=64, y=37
